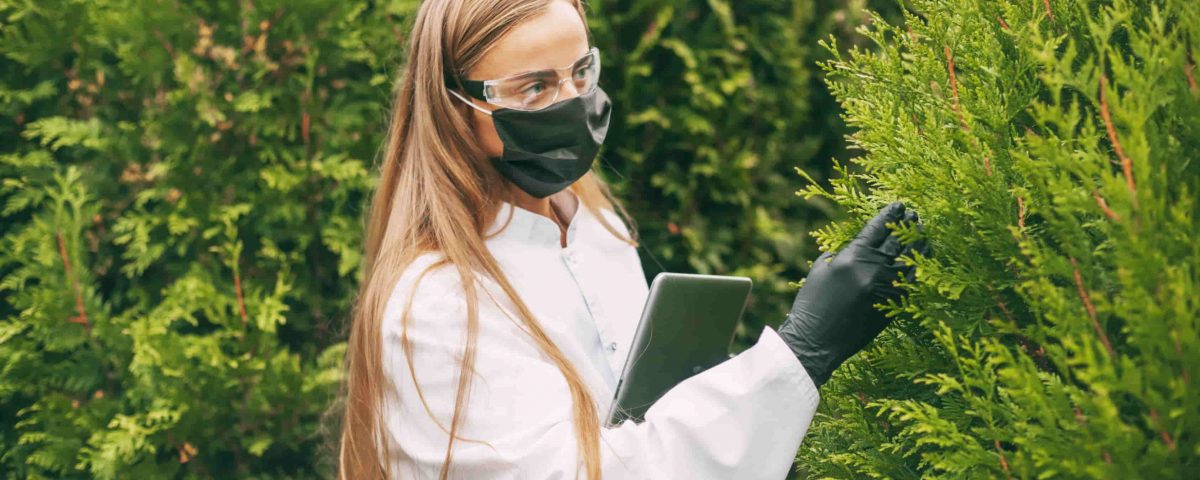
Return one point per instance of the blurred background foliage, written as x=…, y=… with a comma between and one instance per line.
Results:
x=184, y=185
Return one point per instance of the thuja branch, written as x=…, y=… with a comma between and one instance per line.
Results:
x=237, y=286
x=1003, y=460
x=1108, y=212
x=1187, y=71
x=1166, y=437
x=1126, y=163
x=1091, y=309
x=962, y=119
x=82, y=318
x=1191, y=78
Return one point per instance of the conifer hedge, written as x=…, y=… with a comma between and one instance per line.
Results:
x=182, y=194
x=1050, y=148
x=184, y=183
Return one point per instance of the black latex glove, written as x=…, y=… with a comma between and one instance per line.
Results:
x=833, y=316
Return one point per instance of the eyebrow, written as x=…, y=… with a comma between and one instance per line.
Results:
x=542, y=72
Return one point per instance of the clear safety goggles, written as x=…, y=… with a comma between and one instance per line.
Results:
x=537, y=89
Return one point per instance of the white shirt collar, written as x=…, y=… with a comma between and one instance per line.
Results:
x=533, y=228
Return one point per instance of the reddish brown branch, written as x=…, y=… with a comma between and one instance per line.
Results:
x=1104, y=207
x=305, y=120
x=1191, y=78
x=82, y=318
x=1091, y=309
x=1126, y=164
x=962, y=118
x=1048, y=12
x=1003, y=461
x=1162, y=432
x=237, y=285
x=954, y=89
x=1003, y=23
x=165, y=43
x=1004, y=309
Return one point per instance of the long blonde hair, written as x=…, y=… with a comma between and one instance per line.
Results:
x=438, y=192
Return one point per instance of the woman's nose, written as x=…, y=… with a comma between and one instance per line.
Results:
x=567, y=90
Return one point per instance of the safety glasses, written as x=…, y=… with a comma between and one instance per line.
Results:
x=537, y=89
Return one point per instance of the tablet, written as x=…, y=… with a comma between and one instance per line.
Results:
x=687, y=326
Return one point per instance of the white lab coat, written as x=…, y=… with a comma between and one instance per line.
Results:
x=742, y=419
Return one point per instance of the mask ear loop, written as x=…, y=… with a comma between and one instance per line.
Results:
x=469, y=103
x=641, y=245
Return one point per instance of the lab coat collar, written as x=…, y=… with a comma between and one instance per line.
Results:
x=532, y=228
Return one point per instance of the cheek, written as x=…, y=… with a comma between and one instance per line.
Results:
x=485, y=132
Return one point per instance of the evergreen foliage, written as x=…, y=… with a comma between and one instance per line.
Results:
x=183, y=187
x=1050, y=148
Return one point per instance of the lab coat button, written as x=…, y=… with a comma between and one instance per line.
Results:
x=612, y=347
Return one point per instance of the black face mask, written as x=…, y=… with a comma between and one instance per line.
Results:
x=547, y=150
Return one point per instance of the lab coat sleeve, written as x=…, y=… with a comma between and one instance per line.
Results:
x=743, y=418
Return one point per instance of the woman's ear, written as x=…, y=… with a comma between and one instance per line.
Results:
x=481, y=123
x=485, y=131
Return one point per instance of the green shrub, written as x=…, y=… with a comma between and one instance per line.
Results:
x=183, y=188
x=1050, y=149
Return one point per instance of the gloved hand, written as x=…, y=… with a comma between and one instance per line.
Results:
x=833, y=315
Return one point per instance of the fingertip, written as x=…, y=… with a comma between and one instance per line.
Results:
x=875, y=231
x=894, y=211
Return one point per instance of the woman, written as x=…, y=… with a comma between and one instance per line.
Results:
x=493, y=250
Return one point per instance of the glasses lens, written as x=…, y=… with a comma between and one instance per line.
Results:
x=540, y=89
x=587, y=73
x=526, y=91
